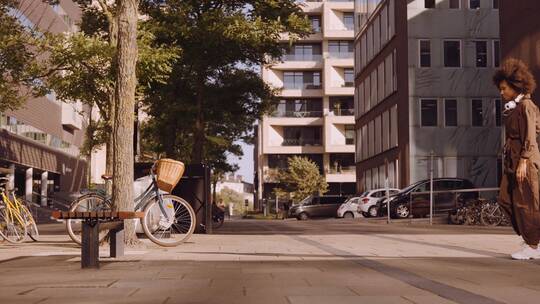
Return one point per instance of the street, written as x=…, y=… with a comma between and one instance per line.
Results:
x=256, y=261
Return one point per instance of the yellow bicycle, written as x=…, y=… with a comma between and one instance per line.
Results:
x=16, y=221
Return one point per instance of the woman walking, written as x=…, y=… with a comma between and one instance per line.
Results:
x=519, y=190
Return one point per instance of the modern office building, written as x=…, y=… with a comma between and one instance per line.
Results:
x=41, y=140
x=315, y=115
x=424, y=93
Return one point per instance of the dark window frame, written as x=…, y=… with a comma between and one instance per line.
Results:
x=434, y=121
x=447, y=104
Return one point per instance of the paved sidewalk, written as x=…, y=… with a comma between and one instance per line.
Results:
x=334, y=261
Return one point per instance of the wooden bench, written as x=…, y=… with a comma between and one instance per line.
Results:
x=92, y=223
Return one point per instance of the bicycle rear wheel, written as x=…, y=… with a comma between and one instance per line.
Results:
x=31, y=226
x=172, y=228
x=11, y=228
x=491, y=214
x=86, y=203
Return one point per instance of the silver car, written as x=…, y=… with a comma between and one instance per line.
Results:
x=368, y=200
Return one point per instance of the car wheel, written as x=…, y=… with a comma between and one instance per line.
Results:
x=402, y=211
x=365, y=214
x=373, y=211
x=303, y=216
x=348, y=215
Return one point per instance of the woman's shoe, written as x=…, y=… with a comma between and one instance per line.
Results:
x=526, y=253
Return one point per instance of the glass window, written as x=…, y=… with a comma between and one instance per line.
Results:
x=474, y=4
x=380, y=81
x=477, y=113
x=349, y=134
x=376, y=35
x=428, y=112
x=425, y=53
x=481, y=54
x=391, y=20
x=369, y=43
x=348, y=21
x=348, y=75
x=429, y=3
x=495, y=4
x=292, y=80
x=384, y=26
x=454, y=4
x=450, y=112
x=496, y=53
x=452, y=54
x=315, y=23
x=374, y=100
x=394, y=127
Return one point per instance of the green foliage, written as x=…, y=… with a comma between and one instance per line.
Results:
x=301, y=179
x=230, y=196
x=20, y=68
x=214, y=95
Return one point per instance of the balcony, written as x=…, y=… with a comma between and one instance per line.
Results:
x=302, y=86
x=71, y=117
x=301, y=57
x=343, y=112
x=298, y=114
x=347, y=55
x=287, y=142
x=339, y=169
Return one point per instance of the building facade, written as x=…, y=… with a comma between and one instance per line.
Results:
x=40, y=142
x=315, y=115
x=424, y=95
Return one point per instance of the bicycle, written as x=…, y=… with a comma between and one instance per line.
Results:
x=168, y=219
x=492, y=214
x=16, y=220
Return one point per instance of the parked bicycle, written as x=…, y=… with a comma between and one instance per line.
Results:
x=479, y=212
x=168, y=219
x=16, y=220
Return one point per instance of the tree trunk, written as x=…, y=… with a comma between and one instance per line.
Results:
x=197, y=151
x=109, y=160
x=126, y=81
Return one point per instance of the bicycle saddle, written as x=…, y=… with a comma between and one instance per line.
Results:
x=107, y=177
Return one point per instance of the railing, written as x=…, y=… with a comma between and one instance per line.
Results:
x=304, y=57
x=343, y=112
x=302, y=86
x=342, y=170
x=301, y=142
x=349, y=27
x=348, y=85
x=298, y=114
x=347, y=55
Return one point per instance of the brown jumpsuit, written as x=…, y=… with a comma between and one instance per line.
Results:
x=522, y=200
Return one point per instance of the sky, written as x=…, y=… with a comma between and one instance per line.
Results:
x=246, y=163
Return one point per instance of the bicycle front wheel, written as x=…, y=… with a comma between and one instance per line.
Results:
x=172, y=226
x=87, y=203
x=491, y=214
x=12, y=226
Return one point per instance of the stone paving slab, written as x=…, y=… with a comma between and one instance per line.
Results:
x=283, y=262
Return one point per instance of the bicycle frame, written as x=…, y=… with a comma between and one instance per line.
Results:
x=13, y=209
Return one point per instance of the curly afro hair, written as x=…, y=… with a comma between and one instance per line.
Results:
x=517, y=75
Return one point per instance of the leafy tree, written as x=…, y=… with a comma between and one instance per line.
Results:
x=20, y=68
x=214, y=95
x=301, y=178
x=230, y=196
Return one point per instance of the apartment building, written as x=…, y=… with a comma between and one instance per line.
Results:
x=40, y=142
x=424, y=97
x=315, y=115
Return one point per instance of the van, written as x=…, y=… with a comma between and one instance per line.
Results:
x=317, y=206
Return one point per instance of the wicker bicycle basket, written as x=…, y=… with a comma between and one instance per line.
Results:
x=168, y=173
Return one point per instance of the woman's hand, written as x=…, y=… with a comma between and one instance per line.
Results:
x=521, y=172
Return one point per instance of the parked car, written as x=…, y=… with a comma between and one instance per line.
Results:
x=368, y=201
x=349, y=209
x=406, y=203
x=317, y=206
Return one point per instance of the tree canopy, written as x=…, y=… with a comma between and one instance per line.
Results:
x=301, y=179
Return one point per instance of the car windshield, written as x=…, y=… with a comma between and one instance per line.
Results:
x=410, y=187
x=305, y=201
x=364, y=194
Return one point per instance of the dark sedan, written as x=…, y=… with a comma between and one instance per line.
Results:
x=415, y=199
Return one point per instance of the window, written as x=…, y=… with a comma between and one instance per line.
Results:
x=474, y=4
x=452, y=54
x=428, y=112
x=481, y=54
x=315, y=23
x=348, y=21
x=454, y=4
x=429, y=3
x=293, y=80
x=425, y=53
x=450, y=112
x=477, y=113
x=340, y=49
x=498, y=112
x=495, y=4
x=348, y=75
x=496, y=53
x=349, y=134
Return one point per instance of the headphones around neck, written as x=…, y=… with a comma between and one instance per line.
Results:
x=512, y=104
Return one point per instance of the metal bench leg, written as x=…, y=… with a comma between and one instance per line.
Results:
x=117, y=242
x=90, y=245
